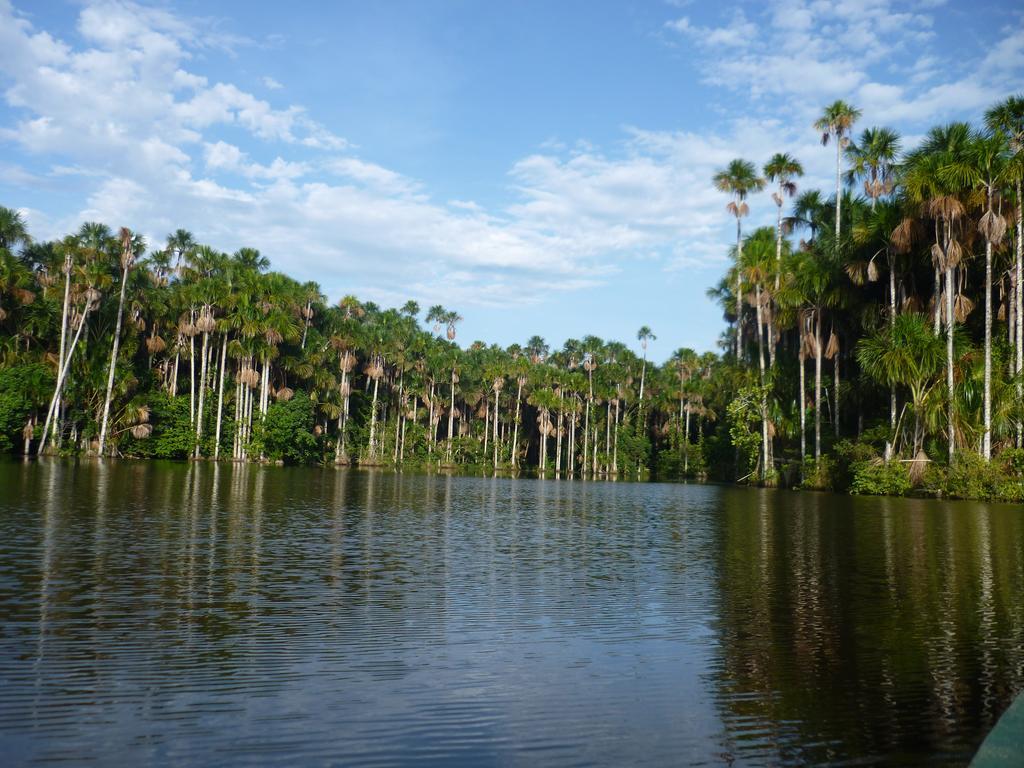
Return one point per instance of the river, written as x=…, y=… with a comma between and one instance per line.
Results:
x=202, y=614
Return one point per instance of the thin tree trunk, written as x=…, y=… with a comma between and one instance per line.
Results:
x=451, y=421
x=950, y=324
x=62, y=374
x=839, y=195
x=615, y=443
x=64, y=315
x=373, y=417
x=739, y=291
x=192, y=372
x=986, y=447
x=1020, y=305
x=113, y=353
x=817, y=385
x=892, y=328
x=835, y=414
x=398, y=421
x=515, y=429
x=802, y=399
x=220, y=394
x=202, y=393
x=497, y=397
x=764, y=394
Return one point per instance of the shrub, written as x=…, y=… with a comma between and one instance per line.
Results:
x=878, y=478
x=286, y=433
x=23, y=389
x=819, y=475
x=849, y=455
x=971, y=477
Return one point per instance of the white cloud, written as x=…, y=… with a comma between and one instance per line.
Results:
x=161, y=145
x=271, y=83
x=808, y=52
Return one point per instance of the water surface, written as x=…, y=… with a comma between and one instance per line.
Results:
x=216, y=615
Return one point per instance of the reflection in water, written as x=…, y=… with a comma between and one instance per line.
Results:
x=880, y=629
x=217, y=614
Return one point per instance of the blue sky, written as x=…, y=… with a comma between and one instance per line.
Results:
x=542, y=167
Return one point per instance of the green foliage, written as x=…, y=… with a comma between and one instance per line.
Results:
x=971, y=477
x=819, y=475
x=744, y=416
x=849, y=456
x=173, y=434
x=875, y=477
x=22, y=391
x=287, y=432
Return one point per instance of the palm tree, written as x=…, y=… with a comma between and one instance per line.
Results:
x=873, y=159
x=939, y=193
x=739, y=179
x=980, y=165
x=13, y=230
x=129, y=246
x=1008, y=117
x=906, y=354
x=835, y=124
x=782, y=169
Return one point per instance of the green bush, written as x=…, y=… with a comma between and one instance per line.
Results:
x=173, y=435
x=971, y=477
x=850, y=455
x=23, y=389
x=878, y=478
x=819, y=475
x=1012, y=462
x=286, y=433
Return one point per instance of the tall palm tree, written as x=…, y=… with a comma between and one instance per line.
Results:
x=835, y=124
x=940, y=193
x=980, y=166
x=129, y=246
x=1008, y=117
x=873, y=159
x=739, y=179
x=782, y=169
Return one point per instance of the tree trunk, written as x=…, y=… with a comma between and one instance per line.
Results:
x=986, y=446
x=835, y=372
x=802, y=401
x=739, y=291
x=399, y=411
x=192, y=372
x=113, y=355
x=62, y=374
x=202, y=393
x=817, y=385
x=1020, y=305
x=373, y=417
x=950, y=325
x=839, y=192
x=892, y=327
x=615, y=442
x=515, y=430
x=64, y=315
x=497, y=398
x=451, y=420
x=220, y=394
x=764, y=394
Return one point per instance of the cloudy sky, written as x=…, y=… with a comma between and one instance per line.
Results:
x=542, y=167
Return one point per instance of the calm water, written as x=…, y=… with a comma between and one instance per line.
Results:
x=221, y=615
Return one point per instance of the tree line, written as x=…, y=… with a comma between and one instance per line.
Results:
x=110, y=347
x=907, y=282
x=874, y=342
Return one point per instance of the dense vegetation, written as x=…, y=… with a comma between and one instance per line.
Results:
x=875, y=344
